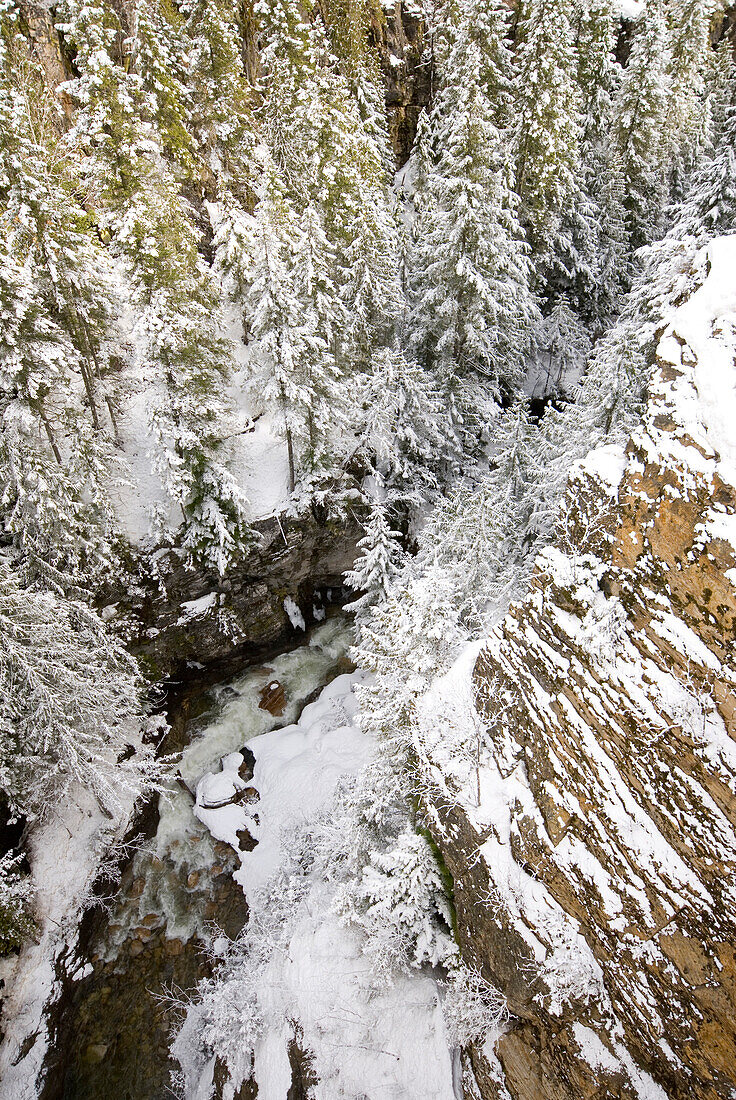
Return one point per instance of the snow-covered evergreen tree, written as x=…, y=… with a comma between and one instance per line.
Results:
x=51, y=474
x=289, y=63
x=58, y=305
x=401, y=905
x=416, y=629
x=218, y=96
x=489, y=26
x=281, y=335
x=709, y=207
x=182, y=347
x=691, y=62
x=479, y=535
x=16, y=921
x=332, y=163
x=562, y=351
x=368, y=263
x=106, y=123
x=407, y=430
x=378, y=563
x=325, y=407
x=641, y=139
x=69, y=703
x=348, y=24
x=158, y=60
x=473, y=316
x=587, y=259
x=547, y=105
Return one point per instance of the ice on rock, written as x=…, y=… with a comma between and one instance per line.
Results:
x=292, y=609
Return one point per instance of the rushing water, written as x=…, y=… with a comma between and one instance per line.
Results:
x=232, y=719
x=176, y=889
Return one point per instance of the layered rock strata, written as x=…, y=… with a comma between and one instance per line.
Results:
x=593, y=847
x=179, y=614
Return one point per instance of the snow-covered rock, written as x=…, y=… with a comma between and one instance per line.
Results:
x=592, y=841
x=300, y=1004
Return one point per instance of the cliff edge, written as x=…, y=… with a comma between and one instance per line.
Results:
x=589, y=828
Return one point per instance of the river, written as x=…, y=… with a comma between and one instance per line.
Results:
x=176, y=892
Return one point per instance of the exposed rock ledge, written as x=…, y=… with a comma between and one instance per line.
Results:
x=183, y=615
x=594, y=875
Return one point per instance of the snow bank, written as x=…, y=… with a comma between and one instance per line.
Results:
x=64, y=855
x=361, y=1039
x=607, y=464
x=699, y=343
x=629, y=9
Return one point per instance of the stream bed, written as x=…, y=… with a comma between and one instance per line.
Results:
x=177, y=892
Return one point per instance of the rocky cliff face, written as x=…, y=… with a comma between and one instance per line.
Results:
x=594, y=862
x=400, y=36
x=178, y=614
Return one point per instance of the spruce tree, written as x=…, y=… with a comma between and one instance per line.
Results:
x=348, y=24
x=331, y=160
x=562, y=351
x=709, y=208
x=408, y=434
x=158, y=62
x=184, y=352
x=488, y=25
x=59, y=306
x=473, y=316
x=52, y=471
x=232, y=243
x=290, y=56
x=218, y=94
x=323, y=319
x=690, y=22
x=585, y=264
x=16, y=904
x=280, y=333
x=359, y=219
x=479, y=536
x=641, y=145
x=69, y=703
x=547, y=106
x=378, y=563
x=106, y=124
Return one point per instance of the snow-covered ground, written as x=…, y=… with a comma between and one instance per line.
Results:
x=64, y=854
x=306, y=978
x=253, y=448
x=700, y=344
x=257, y=456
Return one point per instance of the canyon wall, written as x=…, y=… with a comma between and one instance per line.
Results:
x=179, y=615
x=594, y=868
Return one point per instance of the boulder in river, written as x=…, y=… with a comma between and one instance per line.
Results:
x=273, y=698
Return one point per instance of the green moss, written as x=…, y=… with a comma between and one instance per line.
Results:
x=149, y=669
x=448, y=881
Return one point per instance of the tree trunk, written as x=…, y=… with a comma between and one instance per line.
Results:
x=90, y=394
x=292, y=472
x=98, y=373
x=50, y=436
x=289, y=443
